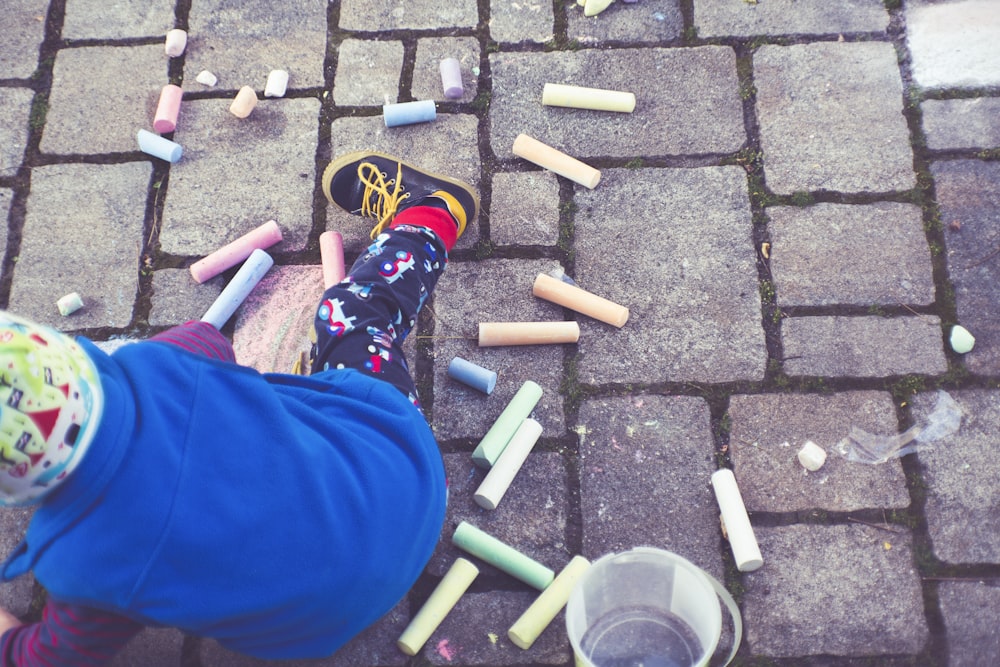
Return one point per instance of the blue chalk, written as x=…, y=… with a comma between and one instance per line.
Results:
x=475, y=376
x=407, y=113
x=157, y=146
x=238, y=288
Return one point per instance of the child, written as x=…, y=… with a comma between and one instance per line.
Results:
x=277, y=514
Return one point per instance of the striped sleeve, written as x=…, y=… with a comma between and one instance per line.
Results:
x=67, y=635
x=199, y=338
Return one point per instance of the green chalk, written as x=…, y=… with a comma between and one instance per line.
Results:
x=445, y=596
x=496, y=439
x=502, y=556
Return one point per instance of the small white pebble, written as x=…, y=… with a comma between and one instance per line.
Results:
x=812, y=456
x=176, y=42
x=69, y=304
x=206, y=78
x=277, y=83
x=961, y=340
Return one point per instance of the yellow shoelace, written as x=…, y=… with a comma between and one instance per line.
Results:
x=383, y=207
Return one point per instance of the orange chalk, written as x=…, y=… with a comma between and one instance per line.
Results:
x=554, y=160
x=580, y=300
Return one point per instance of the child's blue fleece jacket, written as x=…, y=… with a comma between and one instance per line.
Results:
x=278, y=514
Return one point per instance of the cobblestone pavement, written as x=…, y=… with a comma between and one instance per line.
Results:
x=802, y=205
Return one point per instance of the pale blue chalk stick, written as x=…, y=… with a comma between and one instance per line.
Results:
x=157, y=146
x=475, y=376
x=408, y=113
x=238, y=288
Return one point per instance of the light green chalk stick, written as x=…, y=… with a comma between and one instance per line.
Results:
x=458, y=579
x=502, y=556
x=537, y=617
x=493, y=443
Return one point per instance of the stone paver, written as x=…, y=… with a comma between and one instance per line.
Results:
x=427, y=84
x=91, y=19
x=962, y=123
x=653, y=22
x=368, y=72
x=15, y=116
x=391, y=15
x=525, y=209
x=716, y=18
x=528, y=20
x=953, y=44
x=23, y=23
x=967, y=607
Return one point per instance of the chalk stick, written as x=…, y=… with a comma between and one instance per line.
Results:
x=441, y=601
x=502, y=556
x=493, y=334
x=578, y=299
x=277, y=83
x=331, y=252
x=536, y=618
x=595, y=7
x=742, y=541
x=168, y=108
x=408, y=113
x=235, y=252
x=577, y=97
x=175, y=42
x=472, y=375
x=69, y=304
x=157, y=146
x=238, y=288
x=244, y=102
x=492, y=489
x=556, y=161
x=451, y=78
x=517, y=410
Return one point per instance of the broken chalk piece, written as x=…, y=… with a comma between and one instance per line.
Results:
x=239, y=288
x=502, y=556
x=556, y=161
x=277, y=83
x=244, y=102
x=451, y=78
x=206, y=78
x=408, y=113
x=168, y=108
x=961, y=340
x=559, y=95
x=742, y=541
x=445, y=596
x=235, y=252
x=331, y=253
x=812, y=456
x=492, y=489
x=572, y=297
x=530, y=625
x=472, y=375
x=69, y=304
x=175, y=42
x=157, y=146
x=493, y=443
x=595, y=7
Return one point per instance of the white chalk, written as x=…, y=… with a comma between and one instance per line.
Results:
x=492, y=489
x=536, y=618
x=812, y=456
x=244, y=102
x=206, y=78
x=157, y=146
x=451, y=78
x=742, y=541
x=277, y=83
x=175, y=42
x=445, y=596
x=239, y=288
x=69, y=304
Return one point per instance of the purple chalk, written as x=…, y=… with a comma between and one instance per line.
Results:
x=451, y=78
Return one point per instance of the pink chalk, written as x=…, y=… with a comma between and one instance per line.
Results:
x=232, y=254
x=331, y=251
x=168, y=108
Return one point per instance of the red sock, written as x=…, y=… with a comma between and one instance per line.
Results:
x=437, y=220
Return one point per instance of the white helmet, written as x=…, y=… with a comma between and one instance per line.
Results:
x=50, y=405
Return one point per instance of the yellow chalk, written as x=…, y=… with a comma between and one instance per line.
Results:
x=445, y=596
x=559, y=95
x=537, y=617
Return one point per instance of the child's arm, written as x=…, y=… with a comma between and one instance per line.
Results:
x=66, y=635
x=200, y=338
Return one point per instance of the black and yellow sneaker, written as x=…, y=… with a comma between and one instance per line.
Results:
x=380, y=186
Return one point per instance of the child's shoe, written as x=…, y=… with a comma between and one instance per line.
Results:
x=380, y=186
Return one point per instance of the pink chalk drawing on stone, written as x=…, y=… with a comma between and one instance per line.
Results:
x=445, y=650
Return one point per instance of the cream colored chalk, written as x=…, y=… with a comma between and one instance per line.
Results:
x=277, y=83
x=535, y=151
x=560, y=95
x=537, y=617
x=244, y=102
x=492, y=489
x=445, y=596
x=572, y=297
x=492, y=334
x=742, y=541
x=331, y=252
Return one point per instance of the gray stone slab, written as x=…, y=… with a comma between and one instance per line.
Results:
x=953, y=44
x=834, y=590
x=384, y=15
x=694, y=106
x=15, y=114
x=153, y=647
x=448, y=146
x=862, y=346
x=427, y=84
x=768, y=430
x=236, y=174
x=525, y=209
x=837, y=254
x=94, y=19
x=82, y=233
x=475, y=633
x=723, y=18
x=5, y=201
x=531, y=517
x=367, y=72
x=969, y=203
x=23, y=27
x=645, y=465
x=177, y=298
x=650, y=21
x=101, y=96
x=831, y=118
x=968, y=608
x=15, y=596
x=962, y=123
x=961, y=508
x=241, y=42
x=687, y=233
x=522, y=21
